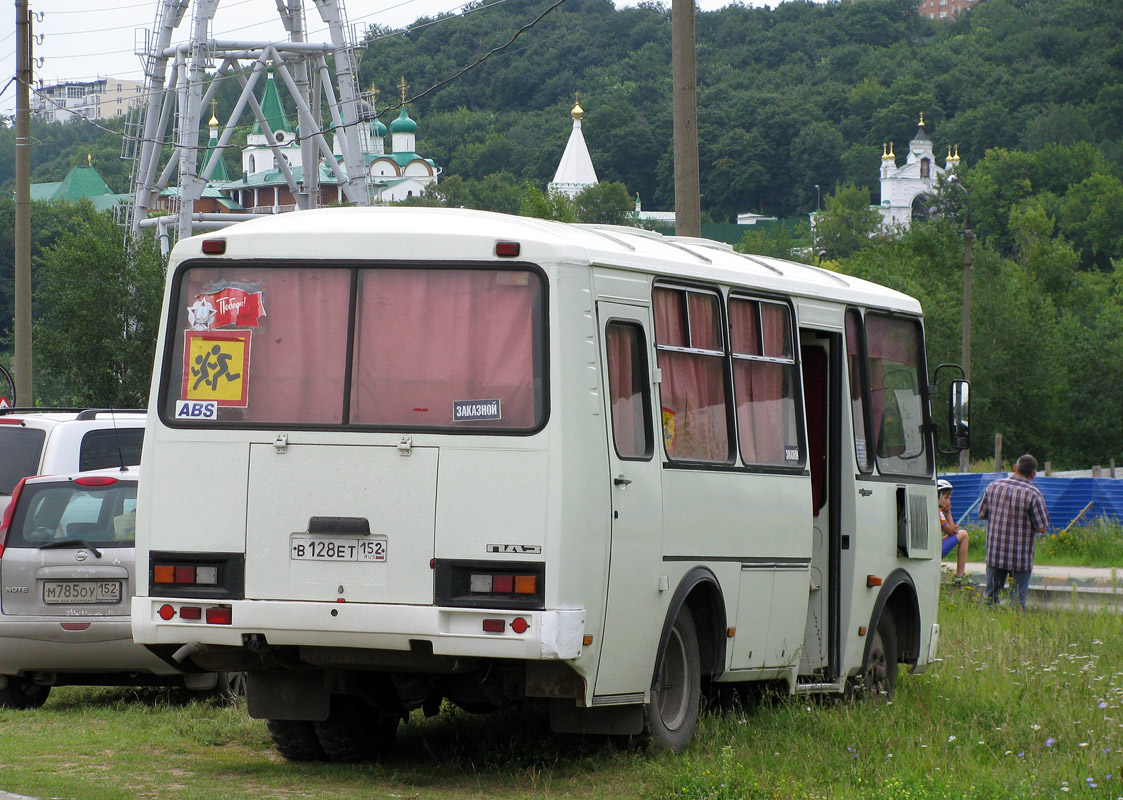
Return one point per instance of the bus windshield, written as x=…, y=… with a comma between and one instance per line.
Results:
x=403, y=348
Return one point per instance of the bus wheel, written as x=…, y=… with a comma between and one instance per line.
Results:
x=672, y=714
x=23, y=693
x=295, y=739
x=879, y=674
x=355, y=731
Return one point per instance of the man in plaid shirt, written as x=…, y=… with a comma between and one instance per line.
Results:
x=1015, y=511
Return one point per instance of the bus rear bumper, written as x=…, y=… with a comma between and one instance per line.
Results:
x=551, y=634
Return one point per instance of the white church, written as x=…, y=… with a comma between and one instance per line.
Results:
x=904, y=189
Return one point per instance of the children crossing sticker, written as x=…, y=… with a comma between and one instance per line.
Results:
x=216, y=367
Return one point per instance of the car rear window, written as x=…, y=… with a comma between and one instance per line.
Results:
x=110, y=447
x=20, y=451
x=53, y=512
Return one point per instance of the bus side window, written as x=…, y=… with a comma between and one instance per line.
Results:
x=855, y=366
x=896, y=368
x=764, y=382
x=691, y=352
x=629, y=390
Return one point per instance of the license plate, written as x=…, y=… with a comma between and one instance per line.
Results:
x=66, y=592
x=338, y=548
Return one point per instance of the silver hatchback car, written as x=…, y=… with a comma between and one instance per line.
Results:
x=66, y=578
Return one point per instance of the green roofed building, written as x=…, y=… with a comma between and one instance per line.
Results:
x=81, y=183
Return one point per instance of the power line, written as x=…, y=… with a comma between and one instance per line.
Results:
x=414, y=98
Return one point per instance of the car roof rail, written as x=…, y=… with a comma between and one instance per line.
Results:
x=92, y=413
x=83, y=413
x=39, y=410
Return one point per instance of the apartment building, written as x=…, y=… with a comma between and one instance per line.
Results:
x=98, y=99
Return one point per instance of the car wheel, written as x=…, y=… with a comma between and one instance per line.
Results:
x=879, y=673
x=228, y=687
x=672, y=715
x=23, y=693
x=355, y=731
x=295, y=739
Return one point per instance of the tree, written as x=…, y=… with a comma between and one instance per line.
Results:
x=847, y=223
x=98, y=300
x=546, y=205
x=605, y=204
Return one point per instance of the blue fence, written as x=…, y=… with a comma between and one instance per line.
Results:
x=1064, y=497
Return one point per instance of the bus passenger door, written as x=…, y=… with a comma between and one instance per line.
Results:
x=820, y=356
x=634, y=616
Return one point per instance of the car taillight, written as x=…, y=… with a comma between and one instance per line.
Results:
x=95, y=480
x=6, y=520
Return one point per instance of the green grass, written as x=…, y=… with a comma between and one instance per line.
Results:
x=1097, y=544
x=1021, y=705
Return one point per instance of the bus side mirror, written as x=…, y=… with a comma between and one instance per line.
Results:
x=959, y=415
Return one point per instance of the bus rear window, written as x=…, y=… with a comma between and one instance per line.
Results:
x=392, y=347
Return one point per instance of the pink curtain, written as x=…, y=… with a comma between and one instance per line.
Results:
x=705, y=322
x=297, y=352
x=857, y=403
x=694, y=413
x=743, y=327
x=629, y=427
x=670, y=324
x=426, y=340
x=776, y=330
x=764, y=408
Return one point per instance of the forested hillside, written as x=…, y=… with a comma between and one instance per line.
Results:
x=789, y=97
x=799, y=95
x=1031, y=92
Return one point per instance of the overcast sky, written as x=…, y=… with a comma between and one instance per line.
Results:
x=88, y=39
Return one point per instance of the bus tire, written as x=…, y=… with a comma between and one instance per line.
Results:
x=879, y=673
x=23, y=693
x=672, y=715
x=355, y=731
x=295, y=739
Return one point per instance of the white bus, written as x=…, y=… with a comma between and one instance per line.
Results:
x=397, y=456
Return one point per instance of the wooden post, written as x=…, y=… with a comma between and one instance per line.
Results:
x=1097, y=471
x=998, y=452
x=1048, y=468
x=1113, y=467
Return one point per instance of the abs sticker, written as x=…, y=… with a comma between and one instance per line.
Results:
x=472, y=410
x=791, y=454
x=196, y=410
x=216, y=367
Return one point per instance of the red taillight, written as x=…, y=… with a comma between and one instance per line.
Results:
x=95, y=480
x=507, y=249
x=166, y=611
x=190, y=612
x=519, y=625
x=220, y=615
x=6, y=520
x=494, y=626
x=214, y=247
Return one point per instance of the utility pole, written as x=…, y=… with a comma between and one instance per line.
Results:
x=21, y=363
x=688, y=212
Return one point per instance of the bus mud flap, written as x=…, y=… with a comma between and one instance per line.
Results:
x=566, y=717
x=287, y=695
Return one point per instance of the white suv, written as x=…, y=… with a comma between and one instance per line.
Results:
x=43, y=442
x=66, y=578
